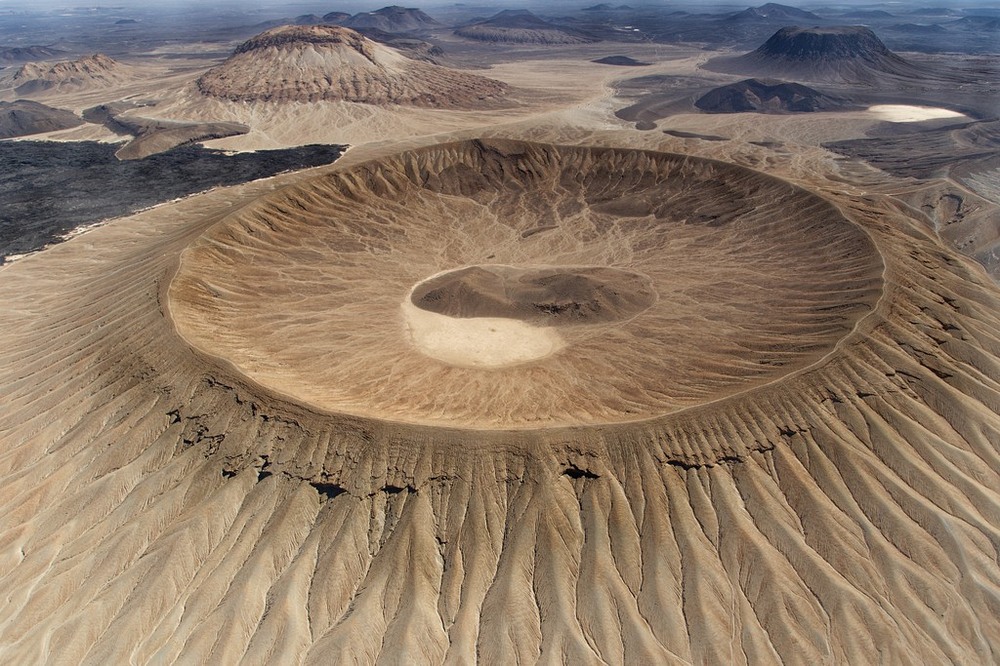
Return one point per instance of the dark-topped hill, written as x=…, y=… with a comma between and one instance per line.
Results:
x=840, y=54
x=519, y=26
x=28, y=53
x=772, y=11
x=606, y=7
x=983, y=23
x=392, y=19
x=307, y=19
x=757, y=96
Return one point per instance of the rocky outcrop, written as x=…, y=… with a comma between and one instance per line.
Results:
x=766, y=97
x=91, y=71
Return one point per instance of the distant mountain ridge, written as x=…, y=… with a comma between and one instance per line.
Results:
x=520, y=26
x=97, y=70
x=772, y=11
x=14, y=54
x=392, y=19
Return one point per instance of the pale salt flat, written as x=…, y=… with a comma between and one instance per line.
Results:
x=904, y=113
x=478, y=342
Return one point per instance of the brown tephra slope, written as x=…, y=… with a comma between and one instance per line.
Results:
x=158, y=506
x=312, y=63
x=23, y=118
x=94, y=71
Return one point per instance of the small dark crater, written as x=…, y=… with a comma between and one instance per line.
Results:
x=230, y=473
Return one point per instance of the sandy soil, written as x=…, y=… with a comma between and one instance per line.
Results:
x=157, y=503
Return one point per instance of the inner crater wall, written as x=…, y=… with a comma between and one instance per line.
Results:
x=734, y=280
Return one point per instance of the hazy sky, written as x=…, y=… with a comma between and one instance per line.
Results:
x=330, y=5
x=278, y=8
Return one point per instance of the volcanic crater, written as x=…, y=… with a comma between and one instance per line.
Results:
x=510, y=285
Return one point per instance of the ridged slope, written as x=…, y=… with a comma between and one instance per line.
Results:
x=92, y=71
x=154, y=505
x=312, y=63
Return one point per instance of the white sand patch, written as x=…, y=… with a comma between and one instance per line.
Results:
x=903, y=113
x=478, y=342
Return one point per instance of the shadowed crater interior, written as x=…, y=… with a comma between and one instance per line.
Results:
x=542, y=295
